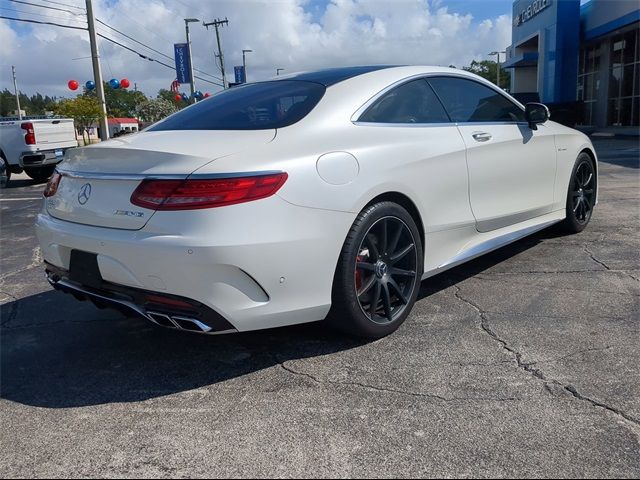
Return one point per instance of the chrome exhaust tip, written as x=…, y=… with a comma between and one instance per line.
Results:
x=181, y=323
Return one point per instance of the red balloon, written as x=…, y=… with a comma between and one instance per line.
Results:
x=124, y=83
x=207, y=95
x=73, y=85
x=178, y=98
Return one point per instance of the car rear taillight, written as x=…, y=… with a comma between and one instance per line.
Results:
x=52, y=186
x=30, y=136
x=193, y=194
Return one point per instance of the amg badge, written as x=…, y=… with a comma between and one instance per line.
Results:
x=129, y=213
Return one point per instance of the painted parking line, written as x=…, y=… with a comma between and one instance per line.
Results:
x=19, y=199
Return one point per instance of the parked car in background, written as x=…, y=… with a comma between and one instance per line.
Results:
x=34, y=145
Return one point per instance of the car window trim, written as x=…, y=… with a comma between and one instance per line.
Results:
x=360, y=111
x=490, y=86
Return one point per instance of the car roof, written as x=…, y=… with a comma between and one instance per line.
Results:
x=331, y=76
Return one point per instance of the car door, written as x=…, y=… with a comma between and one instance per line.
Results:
x=511, y=166
x=408, y=137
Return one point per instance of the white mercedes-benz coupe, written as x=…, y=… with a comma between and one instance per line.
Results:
x=327, y=194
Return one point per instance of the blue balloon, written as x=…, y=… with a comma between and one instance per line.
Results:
x=90, y=85
x=199, y=94
x=115, y=83
x=185, y=97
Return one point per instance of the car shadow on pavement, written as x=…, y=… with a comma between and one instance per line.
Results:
x=58, y=353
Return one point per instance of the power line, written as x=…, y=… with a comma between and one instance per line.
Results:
x=63, y=4
x=42, y=23
x=151, y=48
x=108, y=39
x=45, y=6
x=146, y=57
x=39, y=14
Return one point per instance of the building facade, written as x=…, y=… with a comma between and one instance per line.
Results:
x=583, y=57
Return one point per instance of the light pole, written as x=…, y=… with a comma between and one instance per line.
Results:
x=497, y=55
x=187, y=21
x=244, y=63
x=278, y=70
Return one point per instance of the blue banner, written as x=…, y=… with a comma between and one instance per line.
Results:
x=183, y=67
x=240, y=74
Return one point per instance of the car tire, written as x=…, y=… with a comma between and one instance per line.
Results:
x=5, y=172
x=581, y=195
x=378, y=274
x=40, y=174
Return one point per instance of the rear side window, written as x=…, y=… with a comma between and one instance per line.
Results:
x=412, y=102
x=256, y=106
x=469, y=101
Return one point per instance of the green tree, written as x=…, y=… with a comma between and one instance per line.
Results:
x=121, y=102
x=155, y=109
x=83, y=109
x=32, y=105
x=489, y=70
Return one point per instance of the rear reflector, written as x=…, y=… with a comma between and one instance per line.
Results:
x=196, y=194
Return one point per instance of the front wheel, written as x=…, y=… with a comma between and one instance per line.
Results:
x=378, y=274
x=581, y=196
x=41, y=173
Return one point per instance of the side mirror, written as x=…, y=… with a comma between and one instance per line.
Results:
x=536, y=113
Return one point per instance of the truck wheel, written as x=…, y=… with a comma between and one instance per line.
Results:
x=5, y=172
x=40, y=174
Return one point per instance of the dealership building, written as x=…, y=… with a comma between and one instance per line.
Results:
x=580, y=57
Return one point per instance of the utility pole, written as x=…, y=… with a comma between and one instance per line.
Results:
x=219, y=23
x=97, y=73
x=15, y=89
x=244, y=63
x=187, y=21
x=278, y=70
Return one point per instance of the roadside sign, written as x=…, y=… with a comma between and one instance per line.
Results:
x=183, y=67
x=240, y=74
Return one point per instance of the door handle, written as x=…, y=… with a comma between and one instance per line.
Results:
x=481, y=136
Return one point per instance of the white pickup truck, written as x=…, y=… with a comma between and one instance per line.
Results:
x=34, y=145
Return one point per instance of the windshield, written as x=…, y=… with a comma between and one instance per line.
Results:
x=255, y=106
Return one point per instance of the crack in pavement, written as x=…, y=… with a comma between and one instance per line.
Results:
x=572, y=354
x=289, y=369
x=591, y=254
x=535, y=372
x=35, y=262
x=607, y=267
x=485, y=276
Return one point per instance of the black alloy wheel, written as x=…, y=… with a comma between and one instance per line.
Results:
x=581, y=195
x=386, y=270
x=378, y=273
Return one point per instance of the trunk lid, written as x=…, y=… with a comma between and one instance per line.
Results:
x=97, y=181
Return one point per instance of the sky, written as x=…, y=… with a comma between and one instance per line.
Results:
x=295, y=35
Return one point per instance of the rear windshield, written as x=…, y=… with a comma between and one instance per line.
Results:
x=255, y=106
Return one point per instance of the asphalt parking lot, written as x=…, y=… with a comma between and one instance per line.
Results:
x=523, y=363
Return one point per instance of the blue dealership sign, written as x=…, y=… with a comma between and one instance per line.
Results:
x=183, y=67
x=240, y=74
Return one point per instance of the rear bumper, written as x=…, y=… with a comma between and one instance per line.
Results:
x=262, y=264
x=41, y=158
x=164, y=310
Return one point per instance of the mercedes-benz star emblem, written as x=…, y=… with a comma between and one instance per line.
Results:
x=84, y=193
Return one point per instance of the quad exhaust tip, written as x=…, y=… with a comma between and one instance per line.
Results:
x=178, y=322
